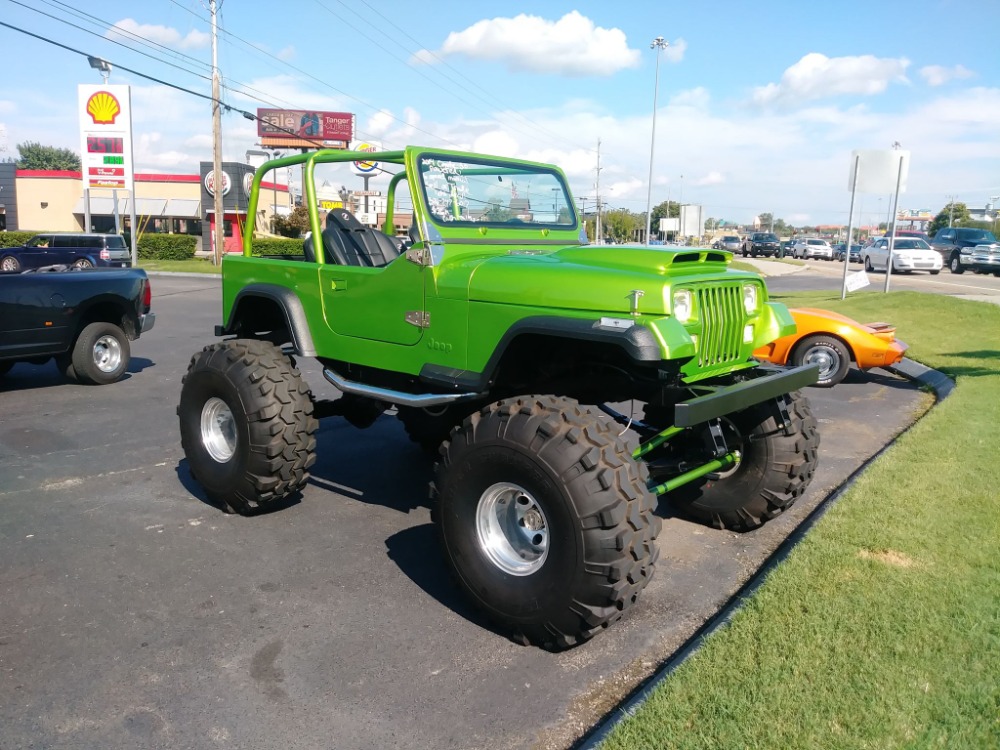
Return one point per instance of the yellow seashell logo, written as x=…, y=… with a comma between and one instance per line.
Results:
x=103, y=108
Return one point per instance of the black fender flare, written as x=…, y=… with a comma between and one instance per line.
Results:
x=289, y=303
x=637, y=341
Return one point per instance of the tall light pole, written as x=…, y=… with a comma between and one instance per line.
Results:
x=657, y=45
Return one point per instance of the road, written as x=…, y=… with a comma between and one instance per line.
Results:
x=134, y=614
x=824, y=275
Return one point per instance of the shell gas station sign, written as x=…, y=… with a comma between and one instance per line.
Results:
x=105, y=136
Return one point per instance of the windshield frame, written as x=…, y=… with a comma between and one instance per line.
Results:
x=563, y=204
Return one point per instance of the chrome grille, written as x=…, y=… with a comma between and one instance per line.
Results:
x=720, y=311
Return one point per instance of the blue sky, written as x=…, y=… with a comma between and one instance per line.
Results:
x=759, y=104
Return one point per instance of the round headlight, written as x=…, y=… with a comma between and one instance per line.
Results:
x=682, y=305
x=750, y=298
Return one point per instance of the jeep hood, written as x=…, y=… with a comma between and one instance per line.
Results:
x=598, y=278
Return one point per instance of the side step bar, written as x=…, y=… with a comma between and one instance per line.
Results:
x=400, y=398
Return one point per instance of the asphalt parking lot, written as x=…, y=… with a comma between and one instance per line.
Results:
x=137, y=615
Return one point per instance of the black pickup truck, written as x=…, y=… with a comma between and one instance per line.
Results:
x=84, y=319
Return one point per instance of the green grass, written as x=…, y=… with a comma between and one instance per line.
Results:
x=195, y=265
x=882, y=629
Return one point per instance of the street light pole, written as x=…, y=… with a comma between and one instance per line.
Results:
x=657, y=45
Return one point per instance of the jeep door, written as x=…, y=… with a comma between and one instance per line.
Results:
x=379, y=304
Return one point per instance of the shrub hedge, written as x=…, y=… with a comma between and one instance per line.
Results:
x=15, y=239
x=276, y=246
x=166, y=246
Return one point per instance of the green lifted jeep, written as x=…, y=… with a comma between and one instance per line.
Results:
x=502, y=338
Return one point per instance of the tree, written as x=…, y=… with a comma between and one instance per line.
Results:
x=953, y=213
x=295, y=224
x=666, y=210
x=619, y=224
x=34, y=155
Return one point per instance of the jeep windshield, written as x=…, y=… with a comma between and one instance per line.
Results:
x=497, y=193
x=975, y=235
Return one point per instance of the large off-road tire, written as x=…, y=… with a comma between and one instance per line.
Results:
x=101, y=354
x=545, y=518
x=829, y=353
x=773, y=472
x=247, y=425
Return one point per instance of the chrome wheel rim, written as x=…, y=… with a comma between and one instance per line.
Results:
x=9, y=264
x=826, y=358
x=107, y=353
x=512, y=529
x=83, y=264
x=218, y=429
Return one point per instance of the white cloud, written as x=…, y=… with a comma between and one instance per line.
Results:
x=127, y=29
x=571, y=46
x=817, y=76
x=938, y=75
x=496, y=142
x=379, y=123
x=675, y=52
x=286, y=53
x=712, y=178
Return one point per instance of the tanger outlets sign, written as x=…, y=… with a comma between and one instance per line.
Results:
x=105, y=136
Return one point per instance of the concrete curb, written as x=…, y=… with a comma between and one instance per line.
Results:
x=942, y=386
x=186, y=275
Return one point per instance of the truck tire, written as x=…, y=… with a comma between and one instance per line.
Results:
x=247, y=425
x=832, y=356
x=545, y=518
x=773, y=472
x=955, y=264
x=101, y=354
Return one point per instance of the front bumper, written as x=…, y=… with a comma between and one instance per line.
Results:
x=908, y=264
x=739, y=396
x=980, y=261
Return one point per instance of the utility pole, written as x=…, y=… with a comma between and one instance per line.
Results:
x=216, y=139
x=951, y=210
x=598, y=237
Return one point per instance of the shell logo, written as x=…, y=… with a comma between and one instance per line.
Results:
x=103, y=108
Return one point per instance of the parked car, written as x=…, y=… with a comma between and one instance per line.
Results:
x=786, y=248
x=77, y=249
x=838, y=252
x=913, y=233
x=760, y=243
x=908, y=254
x=833, y=341
x=812, y=247
x=84, y=319
x=730, y=242
x=966, y=249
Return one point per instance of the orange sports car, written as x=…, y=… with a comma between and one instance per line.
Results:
x=833, y=341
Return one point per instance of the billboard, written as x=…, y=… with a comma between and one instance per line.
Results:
x=298, y=128
x=105, y=136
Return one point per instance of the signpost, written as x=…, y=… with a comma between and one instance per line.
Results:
x=875, y=172
x=366, y=169
x=105, y=112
